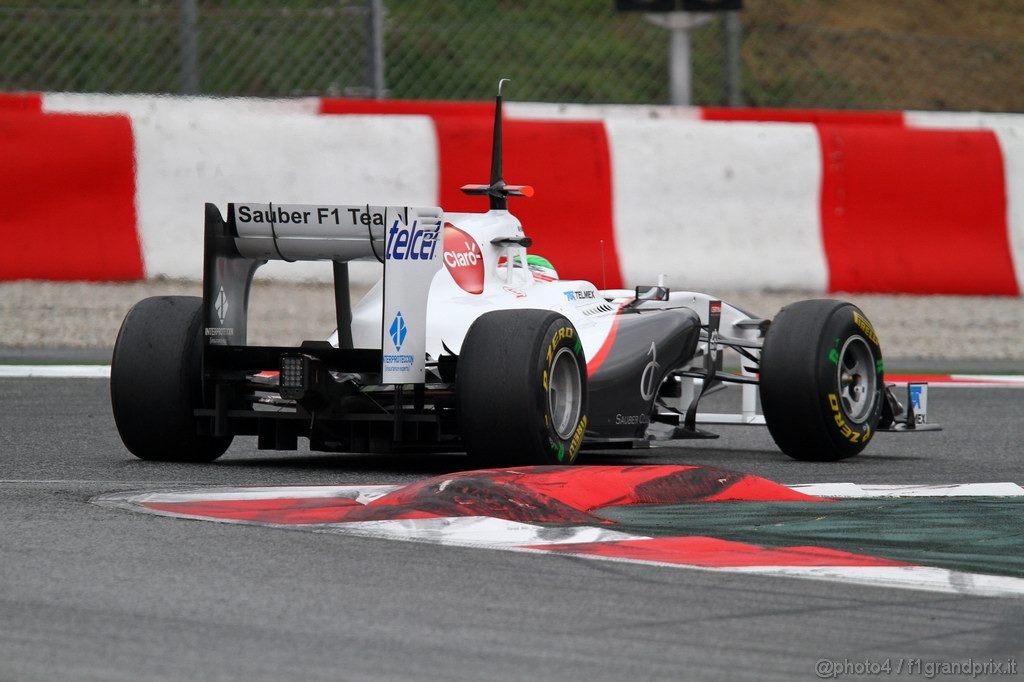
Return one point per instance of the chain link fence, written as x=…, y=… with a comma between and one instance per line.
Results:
x=867, y=54
x=247, y=47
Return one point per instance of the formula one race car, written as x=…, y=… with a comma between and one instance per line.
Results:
x=469, y=343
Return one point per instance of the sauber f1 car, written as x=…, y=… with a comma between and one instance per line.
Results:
x=470, y=343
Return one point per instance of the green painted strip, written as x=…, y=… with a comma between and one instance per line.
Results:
x=974, y=535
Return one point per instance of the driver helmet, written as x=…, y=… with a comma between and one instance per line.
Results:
x=541, y=268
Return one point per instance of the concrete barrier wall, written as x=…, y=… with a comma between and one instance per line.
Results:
x=1009, y=133
x=912, y=202
x=732, y=205
x=67, y=188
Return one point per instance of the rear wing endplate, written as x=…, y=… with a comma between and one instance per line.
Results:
x=407, y=240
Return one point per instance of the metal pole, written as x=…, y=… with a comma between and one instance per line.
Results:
x=733, y=75
x=376, y=25
x=680, y=86
x=189, y=48
x=679, y=75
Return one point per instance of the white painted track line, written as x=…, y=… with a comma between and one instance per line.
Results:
x=56, y=371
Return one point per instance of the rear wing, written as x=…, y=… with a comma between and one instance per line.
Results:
x=407, y=240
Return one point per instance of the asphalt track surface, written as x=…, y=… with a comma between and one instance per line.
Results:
x=88, y=592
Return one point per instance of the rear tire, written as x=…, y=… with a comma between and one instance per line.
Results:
x=156, y=381
x=822, y=384
x=521, y=389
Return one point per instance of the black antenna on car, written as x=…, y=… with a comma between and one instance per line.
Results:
x=498, y=191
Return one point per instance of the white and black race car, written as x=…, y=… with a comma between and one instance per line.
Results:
x=470, y=343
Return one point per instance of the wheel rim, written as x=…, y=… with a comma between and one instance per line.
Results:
x=857, y=378
x=565, y=393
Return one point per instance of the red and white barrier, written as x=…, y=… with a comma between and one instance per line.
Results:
x=67, y=185
x=910, y=202
x=735, y=206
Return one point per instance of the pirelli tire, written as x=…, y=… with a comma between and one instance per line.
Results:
x=822, y=380
x=156, y=381
x=521, y=389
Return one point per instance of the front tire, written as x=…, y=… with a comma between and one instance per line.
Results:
x=156, y=381
x=521, y=389
x=822, y=383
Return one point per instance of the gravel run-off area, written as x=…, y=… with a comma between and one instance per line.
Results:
x=41, y=317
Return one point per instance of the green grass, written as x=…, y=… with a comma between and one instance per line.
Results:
x=795, y=53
